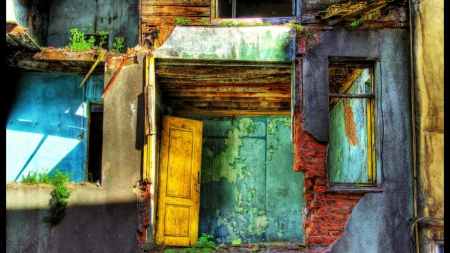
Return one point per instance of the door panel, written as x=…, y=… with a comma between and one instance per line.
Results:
x=179, y=185
x=249, y=188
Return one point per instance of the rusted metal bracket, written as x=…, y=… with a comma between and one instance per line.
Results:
x=130, y=52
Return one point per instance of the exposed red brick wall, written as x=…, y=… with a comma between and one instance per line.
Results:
x=144, y=214
x=327, y=212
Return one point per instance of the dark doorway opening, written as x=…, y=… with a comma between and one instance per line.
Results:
x=94, y=168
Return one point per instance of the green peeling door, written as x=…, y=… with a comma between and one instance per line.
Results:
x=179, y=182
x=249, y=190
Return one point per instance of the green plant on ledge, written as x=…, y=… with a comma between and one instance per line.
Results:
x=203, y=21
x=356, y=22
x=182, y=21
x=297, y=27
x=103, y=37
x=118, y=45
x=60, y=193
x=79, y=42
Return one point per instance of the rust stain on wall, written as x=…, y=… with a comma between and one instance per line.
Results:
x=350, y=128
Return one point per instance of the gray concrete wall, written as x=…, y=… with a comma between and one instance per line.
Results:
x=380, y=221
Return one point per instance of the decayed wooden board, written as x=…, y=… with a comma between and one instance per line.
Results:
x=236, y=97
x=227, y=95
x=78, y=67
x=226, y=80
x=284, y=87
x=170, y=20
x=54, y=61
x=66, y=55
x=243, y=104
x=218, y=71
x=230, y=112
x=175, y=11
x=176, y=2
x=16, y=36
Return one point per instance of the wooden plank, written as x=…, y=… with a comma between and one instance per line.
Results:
x=176, y=2
x=226, y=80
x=199, y=112
x=76, y=67
x=226, y=99
x=219, y=71
x=215, y=85
x=220, y=63
x=218, y=88
x=170, y=20
x=175, y=11
x=216, y=96
x=359, y=12
x=223, y=104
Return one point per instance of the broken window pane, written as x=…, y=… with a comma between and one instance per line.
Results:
x=261, y=8
x=351, y=156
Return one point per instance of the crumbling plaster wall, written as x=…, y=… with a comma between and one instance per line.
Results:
x=379, y=222
x=428, y=55
x=101, y=218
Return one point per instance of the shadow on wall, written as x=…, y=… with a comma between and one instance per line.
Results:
x=85, y=228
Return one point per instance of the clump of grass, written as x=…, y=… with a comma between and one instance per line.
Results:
x=79, y=42
x=103, y=37
x=34, y=177
x=118, y=45
x=182, y=21
x=294, y=24
x=203, y=21
x=204, y=244
x=60, y=193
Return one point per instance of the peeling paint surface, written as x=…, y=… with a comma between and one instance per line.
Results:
x=47, y=126
x=258, y=43
x=249, y=190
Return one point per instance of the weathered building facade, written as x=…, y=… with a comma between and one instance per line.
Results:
x=326, y=131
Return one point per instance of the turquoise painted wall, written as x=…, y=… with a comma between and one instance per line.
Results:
x=249, y=190
x=46, y=116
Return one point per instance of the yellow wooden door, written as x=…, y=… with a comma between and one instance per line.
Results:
x=179, y=182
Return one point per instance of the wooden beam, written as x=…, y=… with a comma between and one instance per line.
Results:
x=359, y=12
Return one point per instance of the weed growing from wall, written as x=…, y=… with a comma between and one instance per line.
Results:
x=203, y=244
x=182, y=21
x=103, y=37
x=356, y=22
x=79, y=42
x=118, y=45
x=60, y=193
x=297, y=27
x=203, y=21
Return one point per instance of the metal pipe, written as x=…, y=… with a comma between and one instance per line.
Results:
x=413, y=122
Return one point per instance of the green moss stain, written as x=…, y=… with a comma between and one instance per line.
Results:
x=250, y=194
x=272, y=125
x=224, y=164
x=258, y=222
x=238, y=201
